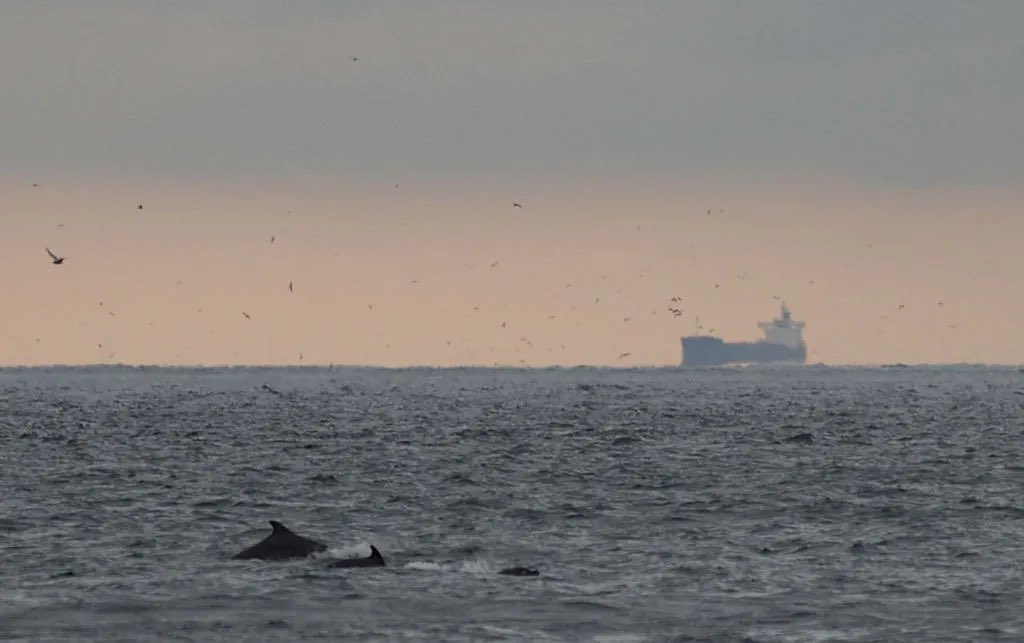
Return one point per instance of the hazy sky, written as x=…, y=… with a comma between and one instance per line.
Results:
x=855, y=156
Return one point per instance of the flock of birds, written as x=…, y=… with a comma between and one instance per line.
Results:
x=674, y=304
x=676, y=312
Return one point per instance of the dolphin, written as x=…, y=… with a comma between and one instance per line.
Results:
x=519, y=571
x=282, y=544
x=373, y=560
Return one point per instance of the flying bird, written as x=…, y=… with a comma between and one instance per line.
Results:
x=140, y=206
x=56, y=260
x=624, y=355
x=290, y=289
x=516, y=205
x=246, y=315
x=272, y=237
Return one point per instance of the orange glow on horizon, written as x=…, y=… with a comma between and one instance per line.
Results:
x=403, y=276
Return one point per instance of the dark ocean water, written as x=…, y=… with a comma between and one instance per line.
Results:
x=803, y=504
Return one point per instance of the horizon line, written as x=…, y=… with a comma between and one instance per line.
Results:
x=330, y=366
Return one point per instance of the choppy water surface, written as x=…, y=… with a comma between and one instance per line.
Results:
x=768, y=505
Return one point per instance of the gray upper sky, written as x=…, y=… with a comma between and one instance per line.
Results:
x=906, y=92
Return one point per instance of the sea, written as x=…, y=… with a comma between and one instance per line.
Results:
x=731, y=504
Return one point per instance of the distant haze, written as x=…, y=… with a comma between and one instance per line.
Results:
x=855, y=157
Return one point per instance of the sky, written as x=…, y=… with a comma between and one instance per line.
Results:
x=862, y=161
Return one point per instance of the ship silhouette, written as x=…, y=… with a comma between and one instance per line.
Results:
x=783, y=342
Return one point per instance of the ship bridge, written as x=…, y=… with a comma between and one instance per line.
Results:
x=783, y=330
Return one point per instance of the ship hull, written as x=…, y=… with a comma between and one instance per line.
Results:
x=712, y=351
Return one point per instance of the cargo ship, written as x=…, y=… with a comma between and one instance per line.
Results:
x=783, y=342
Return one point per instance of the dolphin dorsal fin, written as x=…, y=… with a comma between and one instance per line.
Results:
x=279, y=529
x=375, y=553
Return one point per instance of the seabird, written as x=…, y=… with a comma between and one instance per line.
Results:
x=246, y=315
x=516, y=205
x=56, y=260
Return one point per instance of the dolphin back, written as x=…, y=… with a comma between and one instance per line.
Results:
x=281, y=544
x=375, y=559
x=519, y=571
